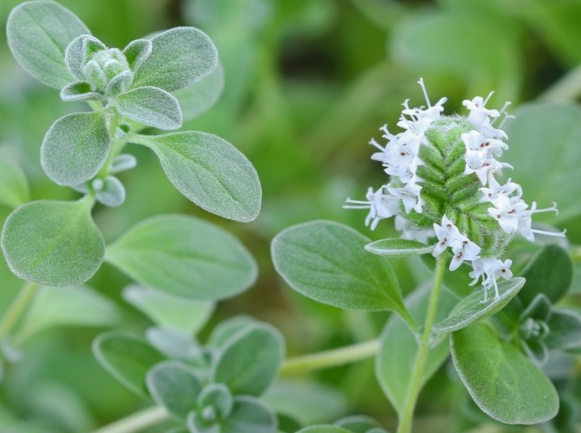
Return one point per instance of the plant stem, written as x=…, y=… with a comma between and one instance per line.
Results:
x=17, y=309
x=331, y=358
x=415, y=386
x=137, y=421
x=566, y=89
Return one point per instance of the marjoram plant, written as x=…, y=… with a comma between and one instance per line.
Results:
x=445, y=191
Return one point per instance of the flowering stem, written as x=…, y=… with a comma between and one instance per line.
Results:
x=415, y=386
x=331, y=358
x=17, y=309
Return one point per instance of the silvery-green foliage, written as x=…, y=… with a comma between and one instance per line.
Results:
x=150, y=106
x=123, y=163
x=109, y=191
x=174, y=344
x=38, y=34
x=396, y=248
x=360, y=424
x=13, y=184
x=127, y=357
x=166, y=310
x=250, y=360
x=184, y=256
x=75, y=148
x=327, y=262
x=209, y=171
x=179, y=57
x=53, y=243
x=200, y=96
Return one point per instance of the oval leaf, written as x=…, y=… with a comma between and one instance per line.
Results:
x=53, y=243
x=150, y=106
x=396, y=248
x=502, y=381
x=127, y=357
x=210, y=172
x=13, y=184
x=179, y=57
x=249, y=415
x=75, y=148
x=174, y=386
x=550, y=272
x=38, y=34
x=534, y=126
x=471, y=308
x=327, y=262
x=184, y=256
x=399, y=347
x=187, y=315
x=324, y=429
x=199, y=97
x=565, y=329
x=250, y=362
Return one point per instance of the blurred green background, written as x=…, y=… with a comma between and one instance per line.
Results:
x=308, y=83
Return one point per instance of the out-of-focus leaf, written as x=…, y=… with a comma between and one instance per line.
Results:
x=184, y=256
x=13, y=184
x=70, y=306
x=535, y=125
x=199, y=97
x=164, y=309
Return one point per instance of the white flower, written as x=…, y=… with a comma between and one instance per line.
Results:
x=411, y=232
x=479, y=114
x=498, y=194
x=447, y=234
x=464, y=250
x=475, y=141
x=410, y=195
x=380, y=205
x=484, y=167
x=509, y=214
x=490, y=269
x=525, y=223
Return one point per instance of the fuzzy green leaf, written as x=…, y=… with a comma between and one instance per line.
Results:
x=187, y=315
x=111, y=191
x=199, y=97
x=38, y=34
x=396, y=248
x=13, y=184
x=127, y=357
x=75, y=148
x=68, y=306
x=227, y=329
x=565, y=329
x=249, y=363
x=357, y=424
x=150, y=106
x=535, y=125
x=249, y=415
x=327, y=262
x=78, y=91
x=503, y=382
x=174, y=386
x=324, y=429
x=53, y=243
x=173, y=343
x=550, y=272
x=471, y=308
x=399, y=347
x=137, y=52
x=210, y=172
x=179, y=57
x=184, y=256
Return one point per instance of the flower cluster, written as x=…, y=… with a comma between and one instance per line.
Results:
x=442, y=185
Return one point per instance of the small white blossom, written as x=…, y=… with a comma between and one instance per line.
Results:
x=498, y=194
x=410, y=195
x=490, y=269
x=447, y=234
x=380, y=205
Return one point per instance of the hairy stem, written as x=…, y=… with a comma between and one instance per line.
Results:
x=137, y=421
x=331, y=358
x=415, y=386
x=17, y=309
